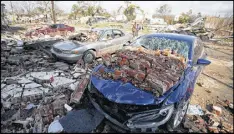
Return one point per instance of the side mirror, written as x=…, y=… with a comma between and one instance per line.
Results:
x=203, y=62
x=127, y=43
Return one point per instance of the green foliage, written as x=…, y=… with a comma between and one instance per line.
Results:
x=130, y=12
x=184, y=18
x=83, y=9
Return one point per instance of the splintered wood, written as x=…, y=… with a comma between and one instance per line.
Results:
x=154, y=71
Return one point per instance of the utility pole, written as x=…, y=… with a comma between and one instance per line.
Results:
x=12, y=12
x=53, y=14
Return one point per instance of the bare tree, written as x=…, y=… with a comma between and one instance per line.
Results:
x=16, y=9
x=44, y=5
x=28, y=7
x=127, y=3
x=163, y=10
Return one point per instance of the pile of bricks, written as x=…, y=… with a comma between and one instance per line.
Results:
x=154, y=71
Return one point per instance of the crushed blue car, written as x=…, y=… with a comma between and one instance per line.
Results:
x=128, y=108
x=135, y=110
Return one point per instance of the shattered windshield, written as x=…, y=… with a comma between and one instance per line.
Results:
x=154, y=43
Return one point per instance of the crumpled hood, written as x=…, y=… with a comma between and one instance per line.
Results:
x=119, y=92
x=66, y=45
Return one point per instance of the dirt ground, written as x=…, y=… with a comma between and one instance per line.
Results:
x=216, y=81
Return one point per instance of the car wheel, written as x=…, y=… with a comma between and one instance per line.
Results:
x=89, y=56
x=54, y=57
x=178, y=116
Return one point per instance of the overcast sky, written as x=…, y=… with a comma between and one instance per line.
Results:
x=205, y=7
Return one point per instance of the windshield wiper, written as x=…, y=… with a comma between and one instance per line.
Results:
x=144, y=47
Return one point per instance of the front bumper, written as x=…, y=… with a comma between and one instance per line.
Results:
x=146, y=121
x=67, y=57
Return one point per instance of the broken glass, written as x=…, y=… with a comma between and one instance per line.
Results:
x=155, y=43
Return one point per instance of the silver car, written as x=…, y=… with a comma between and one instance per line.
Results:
x=107, y=40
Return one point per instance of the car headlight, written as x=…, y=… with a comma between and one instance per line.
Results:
x=164, y=111
x=75, y=52
x=152, y=114
x=151, y=118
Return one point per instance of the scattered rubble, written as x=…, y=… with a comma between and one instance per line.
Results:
x=194, y=110
x=85, y=36
x=217, y=110
x=136, y=66
x=34, y=88
x=37, y=93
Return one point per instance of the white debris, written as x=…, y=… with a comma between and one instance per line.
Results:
x=55, y=127
x=30, y=106
x=2, y=86
x=4, y=95
x=194, y=110
x=231, y=106
x=67, y=107
x=79, y=70
x=76, y=75
x=44, y=75
x=46, y=90
x=24, y=81
x=32, y=92
x=32, y=85
x=60, y=81
x=6, y=104
x=74, y=85
x=8, y=88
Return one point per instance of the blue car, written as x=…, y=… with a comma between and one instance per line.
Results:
x=130, y=109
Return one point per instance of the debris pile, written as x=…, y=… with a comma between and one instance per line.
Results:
x=34, y=88
x=154, y=71
x=204, y=121
x=86, y=36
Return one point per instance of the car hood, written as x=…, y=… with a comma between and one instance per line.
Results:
x=66, y=45
x=127, y=93
x=42, y=28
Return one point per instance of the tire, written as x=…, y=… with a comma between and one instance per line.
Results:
x=173, y=122
x=54, y=57
x=89, y=56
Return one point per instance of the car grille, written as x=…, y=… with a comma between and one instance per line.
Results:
x=57, y=50
x=115, y=110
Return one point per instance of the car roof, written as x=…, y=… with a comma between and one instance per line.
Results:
x=180, y=37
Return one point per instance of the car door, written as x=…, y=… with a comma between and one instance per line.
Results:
x=198, y=52
x=61, y=29
x=105, y=42
x=118, y=40
x=52, y=30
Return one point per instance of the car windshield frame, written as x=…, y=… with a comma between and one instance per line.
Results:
x=99, y=32
x=134, y=43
